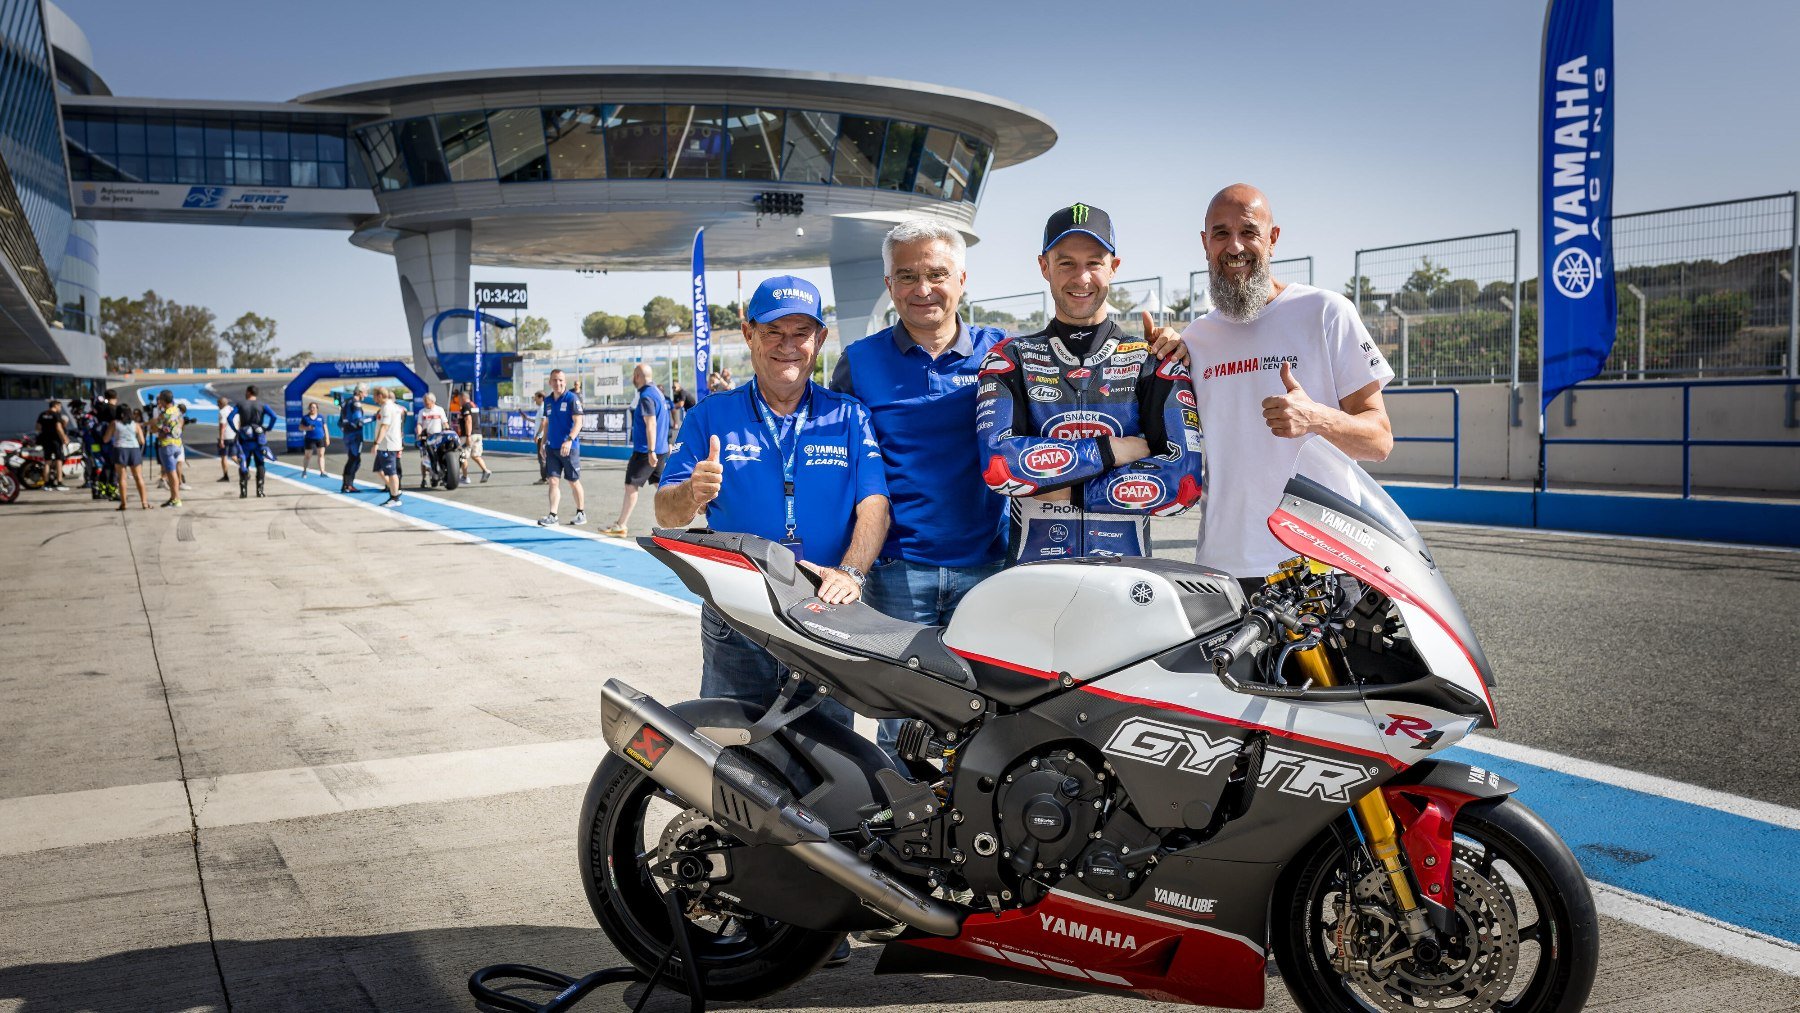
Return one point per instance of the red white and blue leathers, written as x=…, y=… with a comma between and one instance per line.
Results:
x=1043, y=413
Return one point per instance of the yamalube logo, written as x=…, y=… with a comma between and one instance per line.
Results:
x=1199, y=906
x=1048, y=462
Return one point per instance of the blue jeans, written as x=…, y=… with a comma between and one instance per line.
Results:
x=918, y=593
x=733, y=668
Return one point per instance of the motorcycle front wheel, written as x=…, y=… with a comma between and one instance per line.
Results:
x=9, y=487
x=625, y=818
x=33, y=475
x=1527, y=938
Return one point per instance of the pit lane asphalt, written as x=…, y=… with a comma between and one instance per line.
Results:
x=303, y=638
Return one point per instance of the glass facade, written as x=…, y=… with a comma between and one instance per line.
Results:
x=36, y=187
x=673, y=142
x=528, y=145
x=108, y=145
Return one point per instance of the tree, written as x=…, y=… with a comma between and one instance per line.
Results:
x=724, y=316
x=635, y=328
x=532, y=334
x=662, y=313
x=601, y=326
x=151, y=331
x=1426, y=278
x=296, y=360
x=251, y=339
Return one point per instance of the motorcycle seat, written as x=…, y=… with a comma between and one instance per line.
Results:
x=857, y=628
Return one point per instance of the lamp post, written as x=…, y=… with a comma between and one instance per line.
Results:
x=1643, y=317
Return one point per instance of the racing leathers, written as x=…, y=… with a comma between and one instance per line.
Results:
x=1046, y=405
x=252, y=420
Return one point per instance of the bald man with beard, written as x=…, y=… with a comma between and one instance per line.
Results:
x=1274, y=365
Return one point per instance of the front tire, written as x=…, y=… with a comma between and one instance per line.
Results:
x=1500, y=841
x=622, y=818
x=9, y=486
x=447, y=464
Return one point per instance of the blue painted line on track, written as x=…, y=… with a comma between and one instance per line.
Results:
x=615, y=561
x=1727, y=867
x=1730, y=868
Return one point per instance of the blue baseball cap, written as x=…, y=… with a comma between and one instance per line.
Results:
x=784, y=295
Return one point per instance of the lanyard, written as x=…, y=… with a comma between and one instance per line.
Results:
x=789, y=458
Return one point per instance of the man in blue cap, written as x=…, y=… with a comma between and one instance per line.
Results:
x=787, y=459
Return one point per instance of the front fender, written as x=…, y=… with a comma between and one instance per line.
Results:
x=1425, y=799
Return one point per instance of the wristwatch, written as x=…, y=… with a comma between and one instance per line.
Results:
x=855, y=574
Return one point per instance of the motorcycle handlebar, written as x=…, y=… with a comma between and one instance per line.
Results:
x=1254, y=632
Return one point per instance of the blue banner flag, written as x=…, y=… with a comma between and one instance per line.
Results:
x=479, y=343
x=702, y=322
x=1578, y=309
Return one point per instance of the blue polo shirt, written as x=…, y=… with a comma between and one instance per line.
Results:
x=923, y=413
x=560, y=414
x=313, y=426
x=650, y=399
x=837, y=464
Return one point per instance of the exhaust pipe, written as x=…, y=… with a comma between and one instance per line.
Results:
x=753, y=808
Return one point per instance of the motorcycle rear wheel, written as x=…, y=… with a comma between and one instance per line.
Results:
x=1557, y=928
x=619, y=825
x=33, y=474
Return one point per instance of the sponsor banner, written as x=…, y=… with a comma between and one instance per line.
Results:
x=505, y=295
x=702, y=321
x=519, y=426
x=1578, y=305
x=272, y=200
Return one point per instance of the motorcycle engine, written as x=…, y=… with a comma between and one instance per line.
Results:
x=1049, y=810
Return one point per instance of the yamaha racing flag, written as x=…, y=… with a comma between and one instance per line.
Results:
x=1577, y=308
x=702, y=322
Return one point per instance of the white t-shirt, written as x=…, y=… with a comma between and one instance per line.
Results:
x=1236, y=366
x=433, y=420
x=227, y=431
x=389, y=416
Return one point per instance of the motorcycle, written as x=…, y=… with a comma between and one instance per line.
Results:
x=441, y=451
x=9, y=484
x=24, y=457
x=1120, y=776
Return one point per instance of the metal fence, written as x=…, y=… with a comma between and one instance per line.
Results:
x=1025, y=313
x=1129, y=298
x=1443, y=311
x=1707, y=289
x=1287, y=272
x=602, y=373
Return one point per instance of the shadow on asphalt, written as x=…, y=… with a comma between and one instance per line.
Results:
x=427, y=970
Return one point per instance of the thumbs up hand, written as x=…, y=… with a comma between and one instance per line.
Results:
x=1292, y=414
x=1164, y=342
x=708, y=478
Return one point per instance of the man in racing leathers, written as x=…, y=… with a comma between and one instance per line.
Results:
x=1087, y=432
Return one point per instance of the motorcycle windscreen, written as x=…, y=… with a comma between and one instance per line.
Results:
x=1333, y=512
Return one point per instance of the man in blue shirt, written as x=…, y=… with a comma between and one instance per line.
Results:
x=786, y=459
x=918, y=379
x=649, y=444
x=351, y=419
x=561, y=433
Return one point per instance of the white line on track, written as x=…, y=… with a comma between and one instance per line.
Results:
x=1649, y=784
x=1733, y=941
x=623, y=587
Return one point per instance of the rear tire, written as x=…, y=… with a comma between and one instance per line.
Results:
x=761, y=958
x=1557, y=926
x=447, y=463
x=33, y=474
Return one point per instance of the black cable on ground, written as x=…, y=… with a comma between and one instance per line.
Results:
x=181, y=764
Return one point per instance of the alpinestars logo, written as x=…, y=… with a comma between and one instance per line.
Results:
x=1075, y=930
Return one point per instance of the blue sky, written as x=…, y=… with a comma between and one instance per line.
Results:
x=1368, y=124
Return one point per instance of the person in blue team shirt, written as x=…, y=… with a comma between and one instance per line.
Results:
x=315, y=438
x=351, y=419
x=560, y=429
x=918, y=380
x=649, y=444
x=743, y=449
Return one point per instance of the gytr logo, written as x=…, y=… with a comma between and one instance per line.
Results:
x=204, y=197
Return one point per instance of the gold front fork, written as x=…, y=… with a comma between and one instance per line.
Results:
x=1377, y=819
